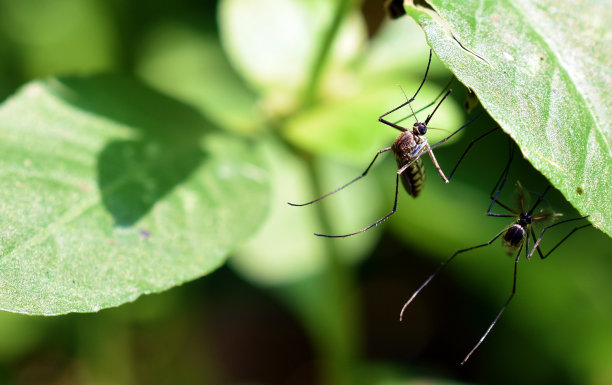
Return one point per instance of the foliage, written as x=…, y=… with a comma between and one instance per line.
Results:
x=117, y=186
x=102, y=203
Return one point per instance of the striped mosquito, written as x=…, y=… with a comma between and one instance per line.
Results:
x=408, y=148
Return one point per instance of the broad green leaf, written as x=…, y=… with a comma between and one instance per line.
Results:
x=110, y=190
x=542, y=71
x=278, y=58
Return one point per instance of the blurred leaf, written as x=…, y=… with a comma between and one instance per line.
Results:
x=285, y=248
x=20, y=334
x=297, y=253
x=399, y=46
x=192, y=67
x=345, y=124
x=111, y=190
x=541, y=69
x=273, y=43
x=348, y=128
x=60, y=36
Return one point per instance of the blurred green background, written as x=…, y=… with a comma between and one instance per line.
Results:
x=307, y=80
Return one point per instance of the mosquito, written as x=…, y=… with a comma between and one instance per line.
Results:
x=408, y=148
x=514, y=237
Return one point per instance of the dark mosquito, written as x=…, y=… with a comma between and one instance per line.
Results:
x=514, y=237
x=408, y=148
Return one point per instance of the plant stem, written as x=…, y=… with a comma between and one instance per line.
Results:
x=342, y=9
x=328, y=308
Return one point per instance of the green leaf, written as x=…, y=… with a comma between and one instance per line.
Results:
x=110, y=190
x=542, y=71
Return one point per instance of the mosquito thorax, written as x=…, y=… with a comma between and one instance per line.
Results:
x=419, y=128
x=524, y=219
x=404, y=145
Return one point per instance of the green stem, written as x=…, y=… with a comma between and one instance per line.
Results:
x=328, y=307
x=343, y=8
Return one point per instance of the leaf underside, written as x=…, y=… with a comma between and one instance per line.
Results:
x=542, y=70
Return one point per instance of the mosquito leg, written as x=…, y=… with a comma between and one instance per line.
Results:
x=527, y=253
x=457, y=130
x=373, y=224
x=430, y=148
x=345, y=185
x=536, y=245
x=468, y=149
x=394, y=125
x=440, y=268
x=436, y=165
x=499, y=185
x=540, y=199
x=516, y=259
x=537, y=242
x=435, y=109
x=424, y=77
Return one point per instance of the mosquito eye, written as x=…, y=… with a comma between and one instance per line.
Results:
x=420, y=128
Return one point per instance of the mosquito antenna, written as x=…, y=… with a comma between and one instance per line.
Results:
x=413, y=113
x=439, y=129
x=500, y=312
x=432, y=103
x=409, y=105
x=403, y=92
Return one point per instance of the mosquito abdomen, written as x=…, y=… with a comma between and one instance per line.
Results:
x=514, y=237
x=413, y=178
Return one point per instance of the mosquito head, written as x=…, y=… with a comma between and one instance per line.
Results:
x=419, y=128
x=525, y=219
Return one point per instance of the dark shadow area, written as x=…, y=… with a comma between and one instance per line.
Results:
x=133, y=175
x=162, y=149
x=442, y=325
